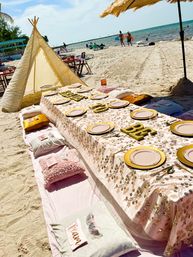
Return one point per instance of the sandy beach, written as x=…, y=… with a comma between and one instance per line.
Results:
x=153, y=70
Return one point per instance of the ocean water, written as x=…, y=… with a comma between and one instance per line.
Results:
x=161, y=33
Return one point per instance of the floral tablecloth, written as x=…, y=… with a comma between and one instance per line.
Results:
x=157, y=209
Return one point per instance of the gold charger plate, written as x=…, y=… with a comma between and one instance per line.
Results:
x=144, y=157
x=182, y=128
x=143, y=114
x=185, y=155
x=98, y=97
x=116, y=104
x=100, y=128
x=75, y=112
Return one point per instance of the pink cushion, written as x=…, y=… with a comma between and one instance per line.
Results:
x=55, y=169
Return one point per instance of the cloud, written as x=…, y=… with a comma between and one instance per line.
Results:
x=77, y=20
x=69, y=23
x=15, y=2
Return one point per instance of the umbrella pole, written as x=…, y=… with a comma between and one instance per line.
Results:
x=182, y=38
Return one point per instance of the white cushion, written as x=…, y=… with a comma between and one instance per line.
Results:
x=104, y=237
x=31, y=111
x=46, y=142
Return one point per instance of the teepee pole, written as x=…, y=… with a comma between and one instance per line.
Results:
x=182, y=38
x=34, y=84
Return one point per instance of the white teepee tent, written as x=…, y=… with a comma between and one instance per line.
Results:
x=39, y=66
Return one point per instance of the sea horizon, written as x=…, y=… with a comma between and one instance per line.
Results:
x=155, y=34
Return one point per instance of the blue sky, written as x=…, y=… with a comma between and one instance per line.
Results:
x=76, y=20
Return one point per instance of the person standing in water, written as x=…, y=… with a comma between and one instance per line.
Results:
x=129, y=39
x=121, y=38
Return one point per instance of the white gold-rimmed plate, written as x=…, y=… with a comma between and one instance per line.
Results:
x=60, y=101
x=76, y=85
x=84, y=90
x=182, y=128
x=50, y=93
x=185, y=155
x=98, y=97
x=144, y=157
x=118, y=104
x=100, y=128
x=143, y=114
x=189, y=155
x=76, y=112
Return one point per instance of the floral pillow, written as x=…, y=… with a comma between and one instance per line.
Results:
x=55, y=168
x=31, y=111
x=35, y=122
x=46, y=142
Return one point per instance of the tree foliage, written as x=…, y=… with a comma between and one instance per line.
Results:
x=8, y=32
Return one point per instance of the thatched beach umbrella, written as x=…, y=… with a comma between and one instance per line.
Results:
x=119, y=6
x=5, y=16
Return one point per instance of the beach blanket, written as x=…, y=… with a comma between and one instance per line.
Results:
x=186, y=115
x=167, y=107
x=64, y=198
x=95, y=230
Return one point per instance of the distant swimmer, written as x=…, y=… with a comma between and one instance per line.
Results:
x=65, y=47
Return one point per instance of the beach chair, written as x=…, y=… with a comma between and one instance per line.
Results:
x=7, y=75
x=70, y=60
x=83, y=63
x=3, y=83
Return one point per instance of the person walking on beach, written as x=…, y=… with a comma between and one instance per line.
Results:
x=121, y=38
x=65, y=47
x=129, y=39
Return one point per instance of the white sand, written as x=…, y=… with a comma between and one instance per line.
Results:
x=22, y=227
x=154, y=70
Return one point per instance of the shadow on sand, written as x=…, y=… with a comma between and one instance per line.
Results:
x=181, y=93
